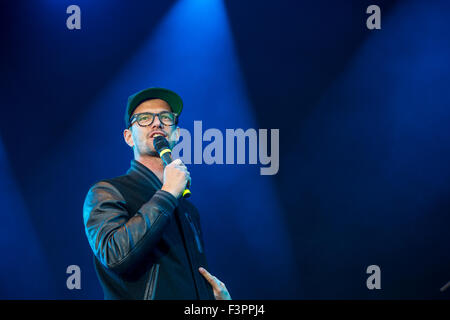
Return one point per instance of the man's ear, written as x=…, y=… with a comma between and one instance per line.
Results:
x=175, y=136
x=128, y=137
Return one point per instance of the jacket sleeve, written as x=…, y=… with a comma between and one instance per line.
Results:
x=119, y=241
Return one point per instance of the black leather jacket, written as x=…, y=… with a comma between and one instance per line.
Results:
x=147, y=244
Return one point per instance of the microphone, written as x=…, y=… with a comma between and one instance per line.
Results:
x=162, y=147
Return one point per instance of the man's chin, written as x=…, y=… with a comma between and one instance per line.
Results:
x=149, y=152
x=153, y=153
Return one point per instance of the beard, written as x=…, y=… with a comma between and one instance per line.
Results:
x=149, y=150
x=153, y=153
x=144, y=146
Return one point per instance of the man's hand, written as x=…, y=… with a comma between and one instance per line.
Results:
x=219, y=288
x=175, y=178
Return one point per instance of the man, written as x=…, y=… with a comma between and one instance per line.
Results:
x=146, y=237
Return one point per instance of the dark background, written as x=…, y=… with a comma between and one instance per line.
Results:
x=363, y=115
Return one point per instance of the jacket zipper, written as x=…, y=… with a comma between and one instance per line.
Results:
x=194, y=229
x=151, y=283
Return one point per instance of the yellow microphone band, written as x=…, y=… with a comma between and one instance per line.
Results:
x=164, y=151
x=186, y=193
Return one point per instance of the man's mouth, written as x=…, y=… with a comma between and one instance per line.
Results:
x=157, y=133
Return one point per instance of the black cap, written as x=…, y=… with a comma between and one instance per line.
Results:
x=173, y=99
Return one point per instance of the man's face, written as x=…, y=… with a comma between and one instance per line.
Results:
x=141, y=138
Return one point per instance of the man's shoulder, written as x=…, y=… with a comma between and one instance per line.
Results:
x=124, y=179
x=99, y=193
x=108, y=184
x=118, y=179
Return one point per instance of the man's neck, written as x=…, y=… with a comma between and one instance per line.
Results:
x=154, y=164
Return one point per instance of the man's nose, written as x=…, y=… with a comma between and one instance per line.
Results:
x=156, y=123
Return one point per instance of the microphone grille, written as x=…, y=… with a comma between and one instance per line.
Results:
x=160, y=143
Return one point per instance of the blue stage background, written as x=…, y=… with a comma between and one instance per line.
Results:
x=363, y=116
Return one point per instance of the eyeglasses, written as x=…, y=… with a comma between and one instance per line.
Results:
x=146, y=118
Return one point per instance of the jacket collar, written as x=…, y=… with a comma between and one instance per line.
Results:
x=144, y=173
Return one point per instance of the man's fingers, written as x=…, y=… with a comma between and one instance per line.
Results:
x=182, y=169
x=220, y=290
x=177, y=162
x=208, y=276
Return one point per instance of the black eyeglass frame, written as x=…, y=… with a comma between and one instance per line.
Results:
x=134, y=118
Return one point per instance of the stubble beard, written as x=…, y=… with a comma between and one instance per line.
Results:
x=150, y=150
x=153, y=153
